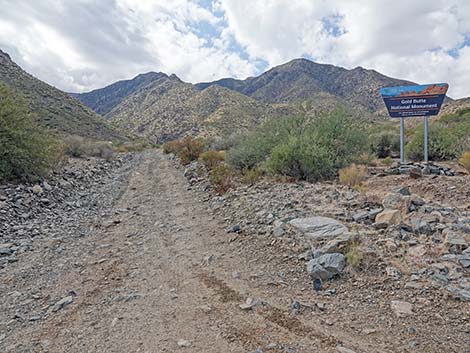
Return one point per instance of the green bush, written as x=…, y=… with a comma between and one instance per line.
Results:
x=302, y=148
x=27, y=151
x=440, y=144
x=301, y=159
x=448, y=137
x=255, y=147
x=385, y=144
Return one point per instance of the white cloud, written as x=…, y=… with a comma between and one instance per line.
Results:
x=405, y=39
x=85, y=44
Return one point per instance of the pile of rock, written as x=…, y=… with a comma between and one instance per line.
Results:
x=416, y=170
x=59, y=206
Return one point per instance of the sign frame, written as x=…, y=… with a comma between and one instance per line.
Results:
x=414, y=101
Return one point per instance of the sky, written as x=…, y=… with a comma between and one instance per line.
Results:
x=80, y=45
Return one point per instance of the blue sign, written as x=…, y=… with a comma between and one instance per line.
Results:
x=419, y=100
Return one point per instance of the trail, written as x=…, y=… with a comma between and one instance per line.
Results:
x=161, y=271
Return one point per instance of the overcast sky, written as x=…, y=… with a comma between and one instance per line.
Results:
x=79, y=45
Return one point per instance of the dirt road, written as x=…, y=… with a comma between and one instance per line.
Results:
x=163, y=275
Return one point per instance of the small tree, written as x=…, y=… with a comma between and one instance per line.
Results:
x=26, y=150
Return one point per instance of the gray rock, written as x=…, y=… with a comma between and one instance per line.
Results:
x=342, y=349
x=336, y=244
x=318, y=228
x=6, y=249
x=459, y=293
x=405, y=191
x=326, y=266
x=393, y=201
x=62, y=303
x=465, y=260
x=422, y=227
x=278, y=231
x=234, y=229
x=417, y=201
x=401, y=308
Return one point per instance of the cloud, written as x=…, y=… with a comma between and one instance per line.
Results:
x=85, y=44
x=422, y=40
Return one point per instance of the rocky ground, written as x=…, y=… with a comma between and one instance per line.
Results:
x=139, y=255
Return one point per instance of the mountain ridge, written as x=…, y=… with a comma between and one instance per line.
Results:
x=54, y=108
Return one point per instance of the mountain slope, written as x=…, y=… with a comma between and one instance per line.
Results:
x=169, y=108
x=53, y=108
x=103, y=100
x=300, y=79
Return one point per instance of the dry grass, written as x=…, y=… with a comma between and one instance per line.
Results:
x=222, y=178
x=353, y=175
x=354, y=254
x=465, y=161
x=212, y=158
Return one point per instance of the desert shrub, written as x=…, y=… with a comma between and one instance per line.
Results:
x=212, y=158
x=385, y=144
x=301, y=148
x=132, y=146
x=74, y=146
x=441, y=144
x=354, y=254
x=222, y=178
x=27, y=151
x=250, y=176
x=253, y=148
x=353, y=175
x=448, y=137
x=77, y=146
x=465, y=160
x=387, y=161
x=301, y=159
x=172, y=147
x=187, y=149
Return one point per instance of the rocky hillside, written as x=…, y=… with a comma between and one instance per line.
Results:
x=301, y=79
x=103, y=100
x=169, y=108
x=53, y=108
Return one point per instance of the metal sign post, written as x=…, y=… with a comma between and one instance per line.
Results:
x=402, y=140
x=414, y=101
x=426, y=127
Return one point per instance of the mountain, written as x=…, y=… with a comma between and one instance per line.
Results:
x=169, y=108
x=103, y=100
x=53, y=108
x=301, y=79
x=163, y=107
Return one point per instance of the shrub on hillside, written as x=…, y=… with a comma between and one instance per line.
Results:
x=353, y=175
x=448, y=137
x=302, y=148
x=255, y=147
x=77, y=146
x=222, y=178
x=441, y=144
x=465, y=161
x=187, y=149
x=385, y=144
x=212, y=158
x=27, y=151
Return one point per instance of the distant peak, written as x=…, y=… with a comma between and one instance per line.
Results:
x=5, y=55
x=151, y=74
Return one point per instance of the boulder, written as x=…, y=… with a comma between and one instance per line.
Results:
x=388, y=217
x=401, y=308
x=393, y=201
x=319, y=228
x=422, y=227
x=326, y=266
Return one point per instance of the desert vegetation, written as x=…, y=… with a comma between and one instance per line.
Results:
x=27, y=151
